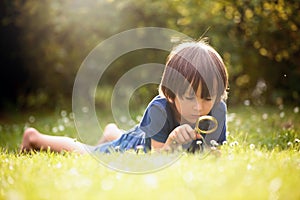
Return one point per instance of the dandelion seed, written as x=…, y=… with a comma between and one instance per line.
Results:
x=123, y=119
x=84, y=182
x=139, y=118
x=47, y=127
x=281, y=115
x=221, y=169
x=31, y=119
x=214, y=143
x=61, y=128
x=119, y=176
x=281, y=107
x=85, y=109
x=15, y=127
x=73, y=171
x=247, y=102
x=54, y=130
x=265, y=116
x=297, y=140
x=11, y=167
x=249, y=167
x=188, y=177
x=290, y=144
x=63, y=113
x=13, y=194
x=235, y=143
x=66, y=120
x=117, y=148
x=258, y=130
x=131, y=123
x=269, y=145
x=231, y=157
x=175, y=39
x=296, y=109
x=238, y=122
x=275, y=185
x=107, y=184
x=71, y=115
x=213, y=148
x=252, y=146
x=151, y=181
x=10, y=180
x=58, y=165
x=231, y=117
x=140, y=149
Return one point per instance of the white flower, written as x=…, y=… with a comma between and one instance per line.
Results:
x=214, y=143
x=198, y=142
x=31, y=119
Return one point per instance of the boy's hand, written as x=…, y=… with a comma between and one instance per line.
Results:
x=183, y=134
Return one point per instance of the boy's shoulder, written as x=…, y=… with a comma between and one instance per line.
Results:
x=158, y=101
x=159, y=104
x=220, y=107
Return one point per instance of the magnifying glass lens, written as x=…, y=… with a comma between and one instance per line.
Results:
x=206, y=124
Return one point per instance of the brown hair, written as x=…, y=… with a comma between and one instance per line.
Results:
x=192, y=64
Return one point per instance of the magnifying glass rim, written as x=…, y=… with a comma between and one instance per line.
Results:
x=206, y=117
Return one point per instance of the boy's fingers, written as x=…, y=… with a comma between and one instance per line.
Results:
x=190, y=132
x=180, y=138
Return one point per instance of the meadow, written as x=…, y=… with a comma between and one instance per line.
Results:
x=260, y=160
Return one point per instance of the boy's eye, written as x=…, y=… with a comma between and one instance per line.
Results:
x=189, y=97
x=193, y=97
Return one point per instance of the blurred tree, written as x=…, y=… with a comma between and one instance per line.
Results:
x=269, y=42
x=13, y=74
x=259, y=41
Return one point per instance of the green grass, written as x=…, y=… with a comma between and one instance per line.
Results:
x=261, y=160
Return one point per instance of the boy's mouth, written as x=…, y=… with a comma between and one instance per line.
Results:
x=195, y=117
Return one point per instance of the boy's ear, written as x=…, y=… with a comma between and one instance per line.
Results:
x=170, y=100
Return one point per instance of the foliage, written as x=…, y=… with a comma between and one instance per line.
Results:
x=258, y=40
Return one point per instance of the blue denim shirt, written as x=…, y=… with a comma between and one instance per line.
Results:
x=158, y=122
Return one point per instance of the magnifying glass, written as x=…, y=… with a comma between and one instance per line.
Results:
x=204, y=118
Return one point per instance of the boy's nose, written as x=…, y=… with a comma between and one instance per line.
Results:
x=198, y=105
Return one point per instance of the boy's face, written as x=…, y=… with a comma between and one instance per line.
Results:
x=191, y=106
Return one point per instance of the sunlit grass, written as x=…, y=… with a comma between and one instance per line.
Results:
x=260, y=160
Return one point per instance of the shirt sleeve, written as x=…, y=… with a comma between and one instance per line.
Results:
x=155, y=123
x=219, y=112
